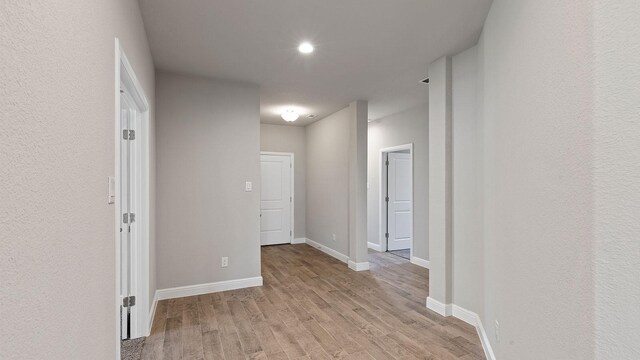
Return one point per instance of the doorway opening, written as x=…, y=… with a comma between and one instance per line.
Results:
x=131, y=203
x=276, y=198
x=396, y=200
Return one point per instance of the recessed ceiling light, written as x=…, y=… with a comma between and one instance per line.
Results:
x=290, y=115
x=305, y=48
x=311, y=116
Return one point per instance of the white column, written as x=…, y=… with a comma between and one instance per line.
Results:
x=440, y=197
x=358, y=257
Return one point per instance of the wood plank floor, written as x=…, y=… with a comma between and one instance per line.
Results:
x=313, y=307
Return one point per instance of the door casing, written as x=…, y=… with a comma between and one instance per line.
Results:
x=293, y=196
x=396, y=205
x=382, y=192
x=125, y=77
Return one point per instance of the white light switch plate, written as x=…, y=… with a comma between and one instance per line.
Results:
x=248, y=186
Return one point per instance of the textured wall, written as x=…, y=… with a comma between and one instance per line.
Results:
x=440, y=204
x=328, y=181
x=409, y=126
x=291, y=139
x=617, y=179
x=57, y=113
x=358, y=127
x=538, y=190
x=208, y=146
x=468, y=282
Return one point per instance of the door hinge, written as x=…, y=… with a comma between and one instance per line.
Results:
x=386, y=235
x=129, y=301
x=386, y=199
x=386, y=162
x=128, y=217
x=129, y=134
x=290, y=198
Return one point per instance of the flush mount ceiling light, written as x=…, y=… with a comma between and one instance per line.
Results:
x=290, y=115
x=305, y=48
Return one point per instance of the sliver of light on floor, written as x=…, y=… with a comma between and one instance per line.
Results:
x=404, y=253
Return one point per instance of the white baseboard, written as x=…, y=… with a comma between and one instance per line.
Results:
x=484, y=339
x=200, y=289
x=152, y=312
x=299, y=241
x=467, y=316
x=473, y=319
x=374, y=246
x=358, y=266
x=329, y=251
x=437, y=306
x=420, y=262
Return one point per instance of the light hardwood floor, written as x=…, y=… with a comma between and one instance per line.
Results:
x=313, y=307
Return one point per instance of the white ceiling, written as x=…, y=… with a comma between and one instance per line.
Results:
x=375, y=50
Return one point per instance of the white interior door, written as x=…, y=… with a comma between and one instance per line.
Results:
x=129, y=209
x=400, y=193
x=276, y=200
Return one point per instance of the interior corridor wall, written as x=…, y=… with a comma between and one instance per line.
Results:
x=468, y=279
x=328, y=181
x=208, y=144
x=617, y=179
x=536, y=72
x=57, y=148
x=291, y=139
x=408, y=126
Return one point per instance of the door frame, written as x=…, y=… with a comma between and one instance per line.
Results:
x=293, y=186
x=125, y=77
x=381, y=195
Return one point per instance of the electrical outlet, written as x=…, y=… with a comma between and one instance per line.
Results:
x=497, y=331
x=333, y=237
x=224, y=262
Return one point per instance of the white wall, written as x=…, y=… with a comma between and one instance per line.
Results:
x=537, y=101
x=328, y=181
x=291, y=139
x=358, y=135
x=208, y=145
x=409, y=126
x=617, y=179
x=440, y=183
x=57, y=65
x=468, y=286
x=545, y=168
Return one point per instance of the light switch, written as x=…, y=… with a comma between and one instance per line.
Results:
x=111, y=197
x=248, y=186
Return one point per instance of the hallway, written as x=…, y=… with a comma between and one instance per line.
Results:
x=313, y=307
